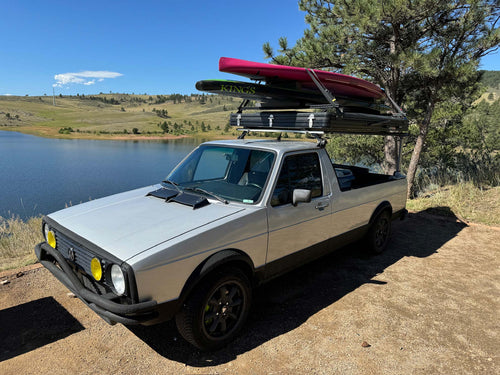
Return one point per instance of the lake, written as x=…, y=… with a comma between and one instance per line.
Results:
x=42, y=175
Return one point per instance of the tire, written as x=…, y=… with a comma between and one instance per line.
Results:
x=216, y=310
x=379, y=233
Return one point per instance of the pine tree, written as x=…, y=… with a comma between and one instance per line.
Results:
x=422, y=52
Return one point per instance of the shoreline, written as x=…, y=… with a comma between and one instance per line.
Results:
x=116, y=137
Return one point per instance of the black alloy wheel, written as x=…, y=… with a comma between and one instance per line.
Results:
x=224, y=309
x=216, y=311
x=379, y=233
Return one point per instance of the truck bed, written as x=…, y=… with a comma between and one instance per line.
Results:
x=352, y=177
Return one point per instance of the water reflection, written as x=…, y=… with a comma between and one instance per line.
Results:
x=40, y=175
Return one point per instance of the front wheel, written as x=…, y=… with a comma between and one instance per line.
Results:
x=379, y=233
x=216, y=311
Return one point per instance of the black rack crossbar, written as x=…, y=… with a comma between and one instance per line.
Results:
x=316, y=134
x=312, y=132
x=327, y=122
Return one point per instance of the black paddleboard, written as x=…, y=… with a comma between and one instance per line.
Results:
x=286, y=97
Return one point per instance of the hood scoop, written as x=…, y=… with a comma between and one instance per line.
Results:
x=193, y=200
x=163, y=193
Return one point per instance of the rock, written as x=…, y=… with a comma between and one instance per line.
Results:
x=4, y=282
x=19, y=274
x=364, y=344
x=71, y=295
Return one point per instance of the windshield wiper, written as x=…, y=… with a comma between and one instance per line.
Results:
x=200, y=190
x=173, y=183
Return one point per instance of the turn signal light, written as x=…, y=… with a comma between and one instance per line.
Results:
x=96, y=268
x=51, y=239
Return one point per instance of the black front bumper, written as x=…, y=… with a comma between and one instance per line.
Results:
x=104, y=305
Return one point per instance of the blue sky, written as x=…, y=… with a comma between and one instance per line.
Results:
x=154, y=47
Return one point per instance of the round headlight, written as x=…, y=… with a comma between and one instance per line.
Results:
x=46, y=231
x=96, y=268
x=118, y=279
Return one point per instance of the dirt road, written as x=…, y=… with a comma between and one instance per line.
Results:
x=430, y=304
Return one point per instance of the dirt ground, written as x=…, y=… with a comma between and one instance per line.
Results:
x=429, y=305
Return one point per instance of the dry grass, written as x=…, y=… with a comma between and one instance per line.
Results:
x=17, y=240
x=464, y=201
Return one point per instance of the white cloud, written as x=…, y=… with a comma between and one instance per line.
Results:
x=83, y=78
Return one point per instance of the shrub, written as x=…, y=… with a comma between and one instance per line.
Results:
x=67, y=130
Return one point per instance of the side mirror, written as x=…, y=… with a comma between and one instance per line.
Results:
x=301, y=195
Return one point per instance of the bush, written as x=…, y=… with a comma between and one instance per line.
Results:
x=67, y=130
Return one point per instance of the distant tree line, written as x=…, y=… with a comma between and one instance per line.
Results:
x=163, y=113
x=104, y=99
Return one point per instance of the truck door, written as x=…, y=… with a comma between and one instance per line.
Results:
x=295, y=228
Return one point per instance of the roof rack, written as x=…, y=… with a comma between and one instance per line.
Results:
x=316, y=134
x=327, y=122
x=330, y=117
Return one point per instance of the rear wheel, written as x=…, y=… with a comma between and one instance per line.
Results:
x=379, y=233
x=215, y=312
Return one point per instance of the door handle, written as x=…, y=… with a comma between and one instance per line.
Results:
x=322, y=205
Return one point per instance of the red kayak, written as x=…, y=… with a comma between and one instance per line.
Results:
x=338, y=84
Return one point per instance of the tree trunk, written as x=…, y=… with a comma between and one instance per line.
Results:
x=419, y=145
x=391, y=155
x=390, y=150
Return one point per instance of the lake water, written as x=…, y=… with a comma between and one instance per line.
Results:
x=40, y=175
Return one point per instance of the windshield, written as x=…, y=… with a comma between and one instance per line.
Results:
x=227, y=173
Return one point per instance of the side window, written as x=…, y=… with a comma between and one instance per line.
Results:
x=302, y=171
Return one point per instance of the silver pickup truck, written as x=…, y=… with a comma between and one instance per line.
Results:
x=232, y=215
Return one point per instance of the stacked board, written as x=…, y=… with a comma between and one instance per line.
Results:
x=339, y=84
x=358, y=106
x=281, y=97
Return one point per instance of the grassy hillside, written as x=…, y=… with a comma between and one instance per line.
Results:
x=117, y=115
x=491, y=80
x=125, y=116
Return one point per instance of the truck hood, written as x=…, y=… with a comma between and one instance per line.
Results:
x=128, y=223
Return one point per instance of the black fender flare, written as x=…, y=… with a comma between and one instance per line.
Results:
x=215, y=261
x=385, y=205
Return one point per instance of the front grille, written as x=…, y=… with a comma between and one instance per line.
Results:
x=80, y=257
x=74, y=252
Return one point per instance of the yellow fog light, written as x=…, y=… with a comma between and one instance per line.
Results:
x=51, y=239
x=96, y=269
